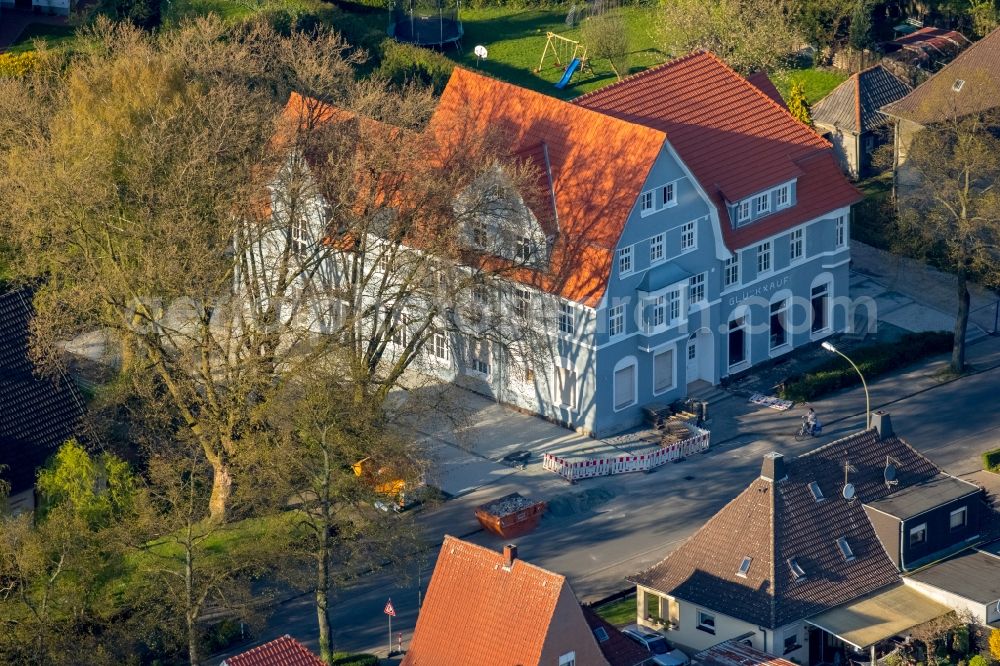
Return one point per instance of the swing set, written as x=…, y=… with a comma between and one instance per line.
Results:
x=564, y=51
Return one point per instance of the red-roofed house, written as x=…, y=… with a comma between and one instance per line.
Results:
x=685, y=228
x=284, y=651
x=490, y=608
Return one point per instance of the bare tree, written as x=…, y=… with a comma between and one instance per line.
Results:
x=750, y=35
x=606, y=35
x=952, y=202
x=220, y=242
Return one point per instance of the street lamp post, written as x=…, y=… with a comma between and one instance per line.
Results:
x=868, y=401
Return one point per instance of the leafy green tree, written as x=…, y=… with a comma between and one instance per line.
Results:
x=995, y=644
x=99, y=491
x=797, y=104
x=861, y=35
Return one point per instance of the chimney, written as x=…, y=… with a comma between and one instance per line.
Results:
x=773, y=468
x=882, y=423
x=509, y=555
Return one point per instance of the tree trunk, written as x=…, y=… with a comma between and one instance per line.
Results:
x=222, y=485
x=190, y=613
x=322, y=609
x=961, y=324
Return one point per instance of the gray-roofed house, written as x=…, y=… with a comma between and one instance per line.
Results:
x=851, y=117
x=794, y=560
x=967, y=85
x=37, y=414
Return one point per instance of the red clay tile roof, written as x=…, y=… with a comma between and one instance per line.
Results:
x=618, y=649
x=476, y=611
x=978, y=66
x=735, y=139
x=284, y=651
x=775, y=522
x=597, y=166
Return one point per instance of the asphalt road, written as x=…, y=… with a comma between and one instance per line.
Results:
x=599, y=531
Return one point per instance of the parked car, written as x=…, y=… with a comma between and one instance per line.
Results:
x=664, y=654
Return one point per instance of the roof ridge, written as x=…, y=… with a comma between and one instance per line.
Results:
x=773, y=590
x=857, y=101
x=495, y=554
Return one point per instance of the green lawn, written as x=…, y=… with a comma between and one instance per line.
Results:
x=817, y=82
x=53, y=35
x=622, y=612
x=515, y=39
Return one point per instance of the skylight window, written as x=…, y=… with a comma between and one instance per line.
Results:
x=816, y=491
x=797, y=570
x=601, y=633
x=957, y=85
x=845, y=549
x=744, y=567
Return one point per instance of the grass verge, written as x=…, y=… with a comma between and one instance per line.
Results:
x=53, y=35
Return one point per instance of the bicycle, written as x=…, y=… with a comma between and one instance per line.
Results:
x=807, y=430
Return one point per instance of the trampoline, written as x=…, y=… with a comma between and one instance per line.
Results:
x=426, y=22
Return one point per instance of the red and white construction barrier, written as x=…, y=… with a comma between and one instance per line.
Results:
x=585, y=468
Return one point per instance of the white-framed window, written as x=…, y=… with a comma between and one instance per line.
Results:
x=819, y=301
x=779, y=323
x=479, y=356
x=732, y=270
x=764, y=258
x=706, y=622
x=674, y=306
x=918, y=534
x=667, y=195
x=568, y=659
x=781, y=197
x=437, y=345
x=743, y=211
x=796, y=244
x=737, y=340
x=625, y=384
x=565, y=385
x=663, y=371
x=958, y=518
x=791, y=642
x=689, y=237
x=382, y=261
x=646, y=203
x=696, y=290
x=522, y=302
x=299, y=236
x=625, y=261
x=616, y=320
x=841, y=231
x=398, y=332
x=657, y=313
x=567, y=319
x=762, y=203
x=656, y=244
x=523, y=249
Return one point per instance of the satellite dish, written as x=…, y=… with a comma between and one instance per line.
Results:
x=848, y=491
x=480, y=52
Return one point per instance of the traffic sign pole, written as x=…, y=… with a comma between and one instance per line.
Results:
x=390, y=611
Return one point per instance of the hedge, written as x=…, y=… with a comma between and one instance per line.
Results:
x=991, y=460
x=344, y=659
x=873, y=361
x=405, y=62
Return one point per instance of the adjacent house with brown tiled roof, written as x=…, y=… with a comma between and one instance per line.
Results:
x=284, y=651
x=677, y=220
x=490, y=608
x=851, y=118
x=812, y=545
x=969, y=84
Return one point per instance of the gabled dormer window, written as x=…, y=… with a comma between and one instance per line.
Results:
x=762, y=203
x=781, y=198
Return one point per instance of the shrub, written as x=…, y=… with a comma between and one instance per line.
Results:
x=977, y=660
x=991, y=460
x=345, y=659
x=995, y=644
x=16, y=65
x=402, y=63
x=873, y=361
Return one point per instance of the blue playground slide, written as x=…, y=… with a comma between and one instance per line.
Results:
x=568, y=74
